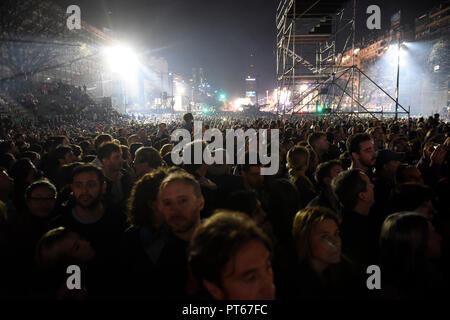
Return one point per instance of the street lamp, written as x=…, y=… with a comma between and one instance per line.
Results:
x=399, y=47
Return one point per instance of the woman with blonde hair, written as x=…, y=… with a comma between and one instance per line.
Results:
x=298, y=159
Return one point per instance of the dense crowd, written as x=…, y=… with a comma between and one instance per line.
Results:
x=103, y=193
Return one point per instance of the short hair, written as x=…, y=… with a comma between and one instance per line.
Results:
x=218, y=240
x=7, y=160
x=323, y=170
x=182, y=175
x=123, y=141
x=40, y=184
x=106, y=150
x=315, y=136
x=354, y=142
x=61, y=151
x=124, y=150
x=148, y=155
x=133, y=137
x=20, y=170
x=304, y=222
x=76, y=149
x=48, y=255
x=298, y=158
x=165, y=149
x=32, y=155
x=188, y=117
x=245, y=201
x=88, y=168
x=102, y=138
x=347, y=186
x=146, y=189
x=134, y=147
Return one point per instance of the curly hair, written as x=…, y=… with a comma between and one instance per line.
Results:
x=146, y=189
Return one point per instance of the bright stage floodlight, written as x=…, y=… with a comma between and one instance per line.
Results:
x=121, y=60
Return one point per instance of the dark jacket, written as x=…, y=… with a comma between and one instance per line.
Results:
x=140, y=269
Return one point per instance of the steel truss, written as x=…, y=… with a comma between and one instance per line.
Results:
x=308, y=53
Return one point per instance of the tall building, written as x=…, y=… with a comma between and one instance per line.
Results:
x=251, y=85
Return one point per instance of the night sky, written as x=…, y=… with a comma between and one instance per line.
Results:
x=216, y=35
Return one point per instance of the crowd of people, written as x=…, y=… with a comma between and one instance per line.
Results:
x=103, y=194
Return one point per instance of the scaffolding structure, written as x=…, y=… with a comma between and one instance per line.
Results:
x=316, y=60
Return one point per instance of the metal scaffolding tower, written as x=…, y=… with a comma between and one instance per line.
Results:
x=316, y=59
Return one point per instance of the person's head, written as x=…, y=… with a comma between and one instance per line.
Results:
x=33, y=156
x=60, y=247
x=146, y=159
x=142, y=134
x=123, y=132
x=110, y=155
x=187, y=117
x=409, y=174
x=86, y=147
x=126, y=156
x=134, y=147
x=414, y=197
x=6, y=182
x=77, y=152
x=64, y=155
x=18, y=137
x=407, y=241
x=326, y=172
x=143, y=202
x=162, y=126
x=61, y=140
x=88, y=186
x=232, y=258
x=251, y=173
x=180, y=200
x=7, y=160
x=352, y=188
x=40, y=198
x=165, y=149
x=377, y=135
x=246, y=201
x=23, y=172
x=8, y=146
x=102, y=138
x=298, y=159
x=318, y=141
x=388, y=162
x=400, y=144
x=133, y=139
x=317, y=238
x=362, y=150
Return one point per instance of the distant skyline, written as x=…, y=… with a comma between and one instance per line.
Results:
x=215, y=35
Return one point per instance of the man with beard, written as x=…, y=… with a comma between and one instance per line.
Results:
x=180, y=201
x=362, y=152
x=98, y=224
